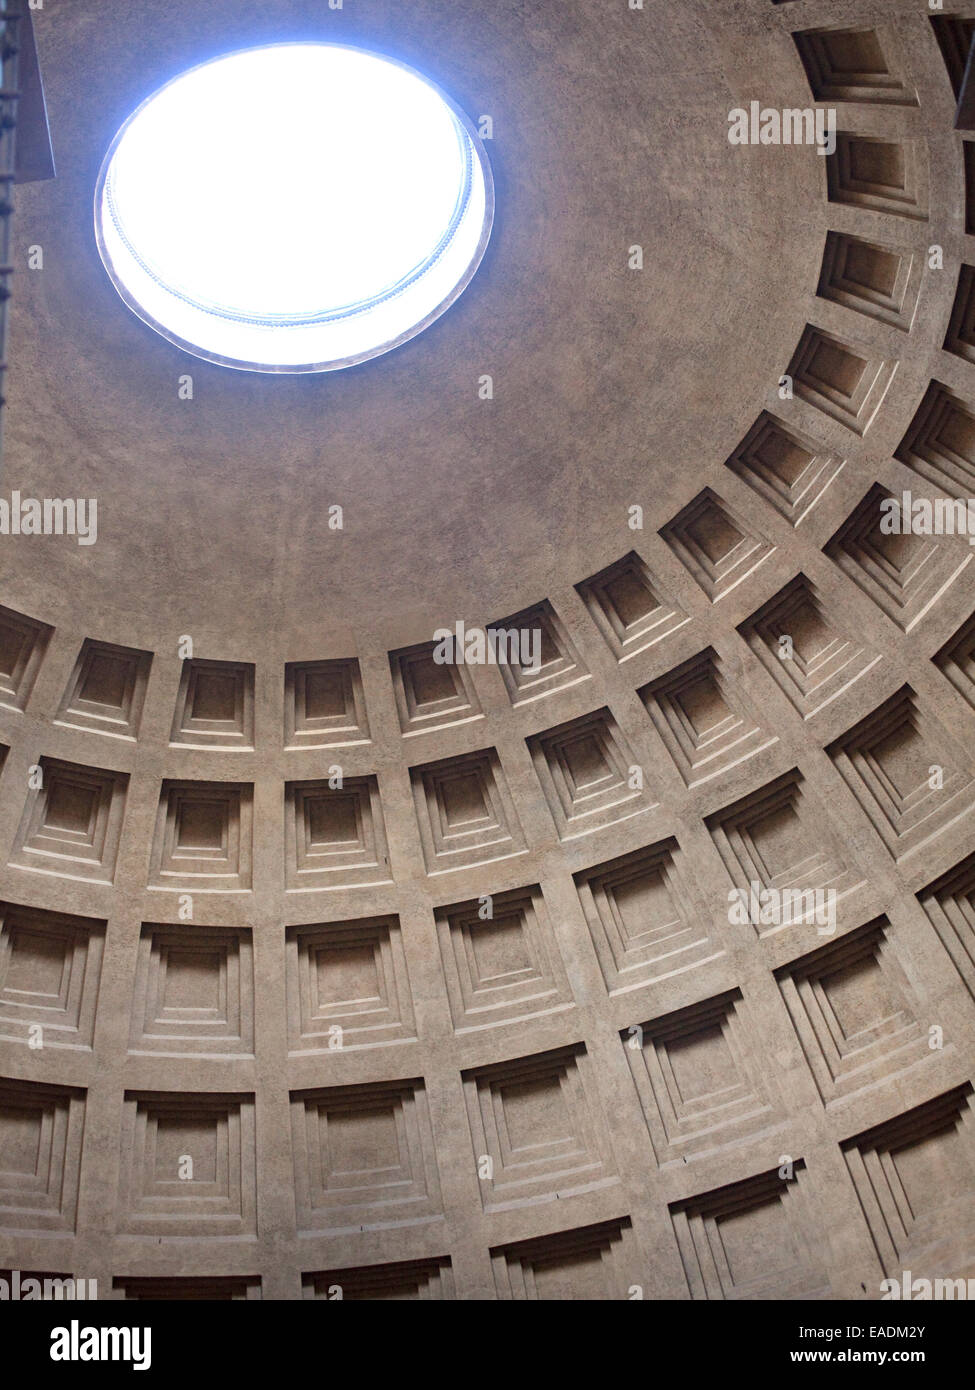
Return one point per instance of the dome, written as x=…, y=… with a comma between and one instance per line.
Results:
x=490, y=820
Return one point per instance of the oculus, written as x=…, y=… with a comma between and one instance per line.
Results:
x=294, y=208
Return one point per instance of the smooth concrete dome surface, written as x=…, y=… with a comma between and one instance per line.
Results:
x=609, y=386
x=328, y=231
x=639, y=957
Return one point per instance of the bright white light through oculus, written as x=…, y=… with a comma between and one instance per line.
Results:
x=294, y=208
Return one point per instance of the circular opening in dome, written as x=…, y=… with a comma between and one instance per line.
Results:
x=294, y=208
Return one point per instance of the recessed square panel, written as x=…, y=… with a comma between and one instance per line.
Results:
x=203, y=838
x=348, y=986
x=215, y=705
x=23, y=642
x=335, y=834
x=107, y=690
x=194, y=992
x=50, y=972
x=324, y=706
x=72, y=822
